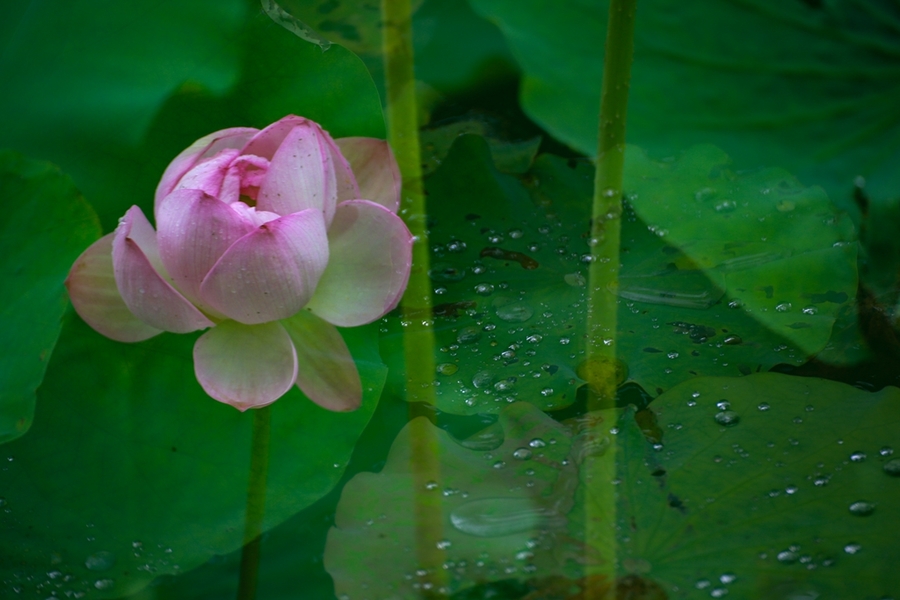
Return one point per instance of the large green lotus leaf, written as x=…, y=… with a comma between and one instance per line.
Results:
x=44, y=227
x=783, y=250
x=721, y=499
x=88, y=79
x=497, y=505
x=112, y=108
x=498, y=338
x=737, y=493
x=131, y=471
x=809, y=86
x=509, y=272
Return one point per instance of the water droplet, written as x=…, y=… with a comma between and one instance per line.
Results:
x=484, y=289
x=483, y=379
x=522, y=453
x=443, y=544
x=564, y=340
x=468, y=335
x=892, y=467
x=852, y=548
x=791, y=489
x=104, y=584
x=431, y=485
x=783, y=307
x=718, y=592
x=546, y=392
x=534, y=338
x=886, y=451
x=447, y=368
x=726, y=206
x=723, y=405
x=858, y=456
x=733, y=340
x=705, y=194
x=727, y=418
x=702, y=584
x=537, y=443
x=515, y=233
x=727, y=578
x=862, y=508
x=515, y=312
x=736, y=303
x=456, y=246
x=787, y=557
x=763, y=406
x=495, y=517
x=100, y=561
x=810, y=310
x=499, y=464
x=505, y=386
x=575, y=279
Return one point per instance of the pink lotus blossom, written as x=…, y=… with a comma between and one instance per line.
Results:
x=269, y=238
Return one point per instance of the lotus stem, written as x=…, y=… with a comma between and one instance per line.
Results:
x=603, y=280
x=416, y=306
x=256, y=504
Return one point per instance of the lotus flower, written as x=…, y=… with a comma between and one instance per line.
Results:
x=269, y=238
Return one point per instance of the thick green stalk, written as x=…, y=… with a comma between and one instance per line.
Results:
x=403, y=135
x=256, y=504
x=603, y=280
x=606, y=214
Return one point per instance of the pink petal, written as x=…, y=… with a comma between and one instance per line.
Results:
x=375, y=168
x=271, y=273
x=195, y=230
x=347, y=186
x=326, y=371
x=267, y=141
x=140, y=279
x=246, y=366
x=92, y=288
x=301, y=174
x=208, y=176
x=371, y=255
x=235, y=137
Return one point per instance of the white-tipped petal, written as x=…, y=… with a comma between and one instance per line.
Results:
x=326, y=371
x=371, y=256
x=246, y=366
x=375, y=169
x=95, y=296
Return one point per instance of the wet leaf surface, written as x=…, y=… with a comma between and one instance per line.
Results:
x=509, y=269
x=120, y=426
x=731, y=499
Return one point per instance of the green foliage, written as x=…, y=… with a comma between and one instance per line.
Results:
x=779, y=249
x=130, y=462
x=93, y=100
x=483, y=492
x=808, y=86
x=45, y=226
x=701, y=505
x=712, y=292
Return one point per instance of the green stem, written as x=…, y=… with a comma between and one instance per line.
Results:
x=603, y=279
x=256, y=504
x=603, y=275
x=403, y=135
